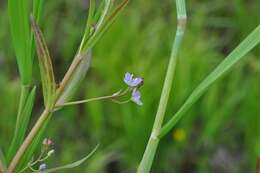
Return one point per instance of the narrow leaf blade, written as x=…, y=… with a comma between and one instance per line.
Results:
x=20, y=30
x=46, y=69
x=22, y=124
x=243, y=48
x=106, y=24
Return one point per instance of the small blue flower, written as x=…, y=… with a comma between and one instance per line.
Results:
x=42, y=167
x=131, y=81
x=136, y=97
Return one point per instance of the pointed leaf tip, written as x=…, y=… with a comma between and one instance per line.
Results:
x=45, y=63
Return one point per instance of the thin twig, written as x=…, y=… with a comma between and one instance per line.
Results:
x=85, y=101
x=113, y=96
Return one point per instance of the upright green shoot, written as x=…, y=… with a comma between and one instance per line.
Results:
x=153, y=142
x=158, y=131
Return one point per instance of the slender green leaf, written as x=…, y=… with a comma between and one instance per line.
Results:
x=46, y=69
x=25, y=91
x=90, y=19
x=106, y=23
x=20, y=30
x=74, y=164
x=22, y=124
x=244, y=47
x=76, y=78
x=37, y=9
x=103, y=14
x=23, y=47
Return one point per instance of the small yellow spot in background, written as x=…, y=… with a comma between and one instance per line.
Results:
x=179, y=135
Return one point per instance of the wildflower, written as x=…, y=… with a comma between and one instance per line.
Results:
x=133, y=82
x=136, y=97
x=42, y=167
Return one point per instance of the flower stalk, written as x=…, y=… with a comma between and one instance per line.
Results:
x=147, y=160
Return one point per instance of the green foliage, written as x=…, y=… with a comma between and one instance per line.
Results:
x=76, y=79
x=243, y=48
x=22, y=124
x=18, y=12
x=2, y=162
x=93, y=32
x=45, y=63
x=19, y=24
x=226, y=118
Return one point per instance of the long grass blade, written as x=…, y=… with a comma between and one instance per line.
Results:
x=20, y=30
x=46, y=69
x=24, y=50
x=22, y=125
x=105, y=25
x=91, y=12
x=240, y=51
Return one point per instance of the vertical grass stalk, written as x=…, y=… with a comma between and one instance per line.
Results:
x=154, y=140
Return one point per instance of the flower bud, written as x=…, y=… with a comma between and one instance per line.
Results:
x=50, y=153
x=47, y=142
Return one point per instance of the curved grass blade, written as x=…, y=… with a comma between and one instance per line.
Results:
x=74, y=164
x=22, y=124
x=46, y=69
x=243, y=48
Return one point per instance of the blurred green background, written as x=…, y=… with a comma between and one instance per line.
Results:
x=221, y=133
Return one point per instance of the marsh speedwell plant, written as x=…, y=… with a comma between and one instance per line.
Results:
x=28, y=41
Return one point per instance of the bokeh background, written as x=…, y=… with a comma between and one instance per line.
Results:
x=221, y=133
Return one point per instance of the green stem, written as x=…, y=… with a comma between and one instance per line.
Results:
x=44, y=116
x=116, y=95
x=85, y=101
x=147, y=160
